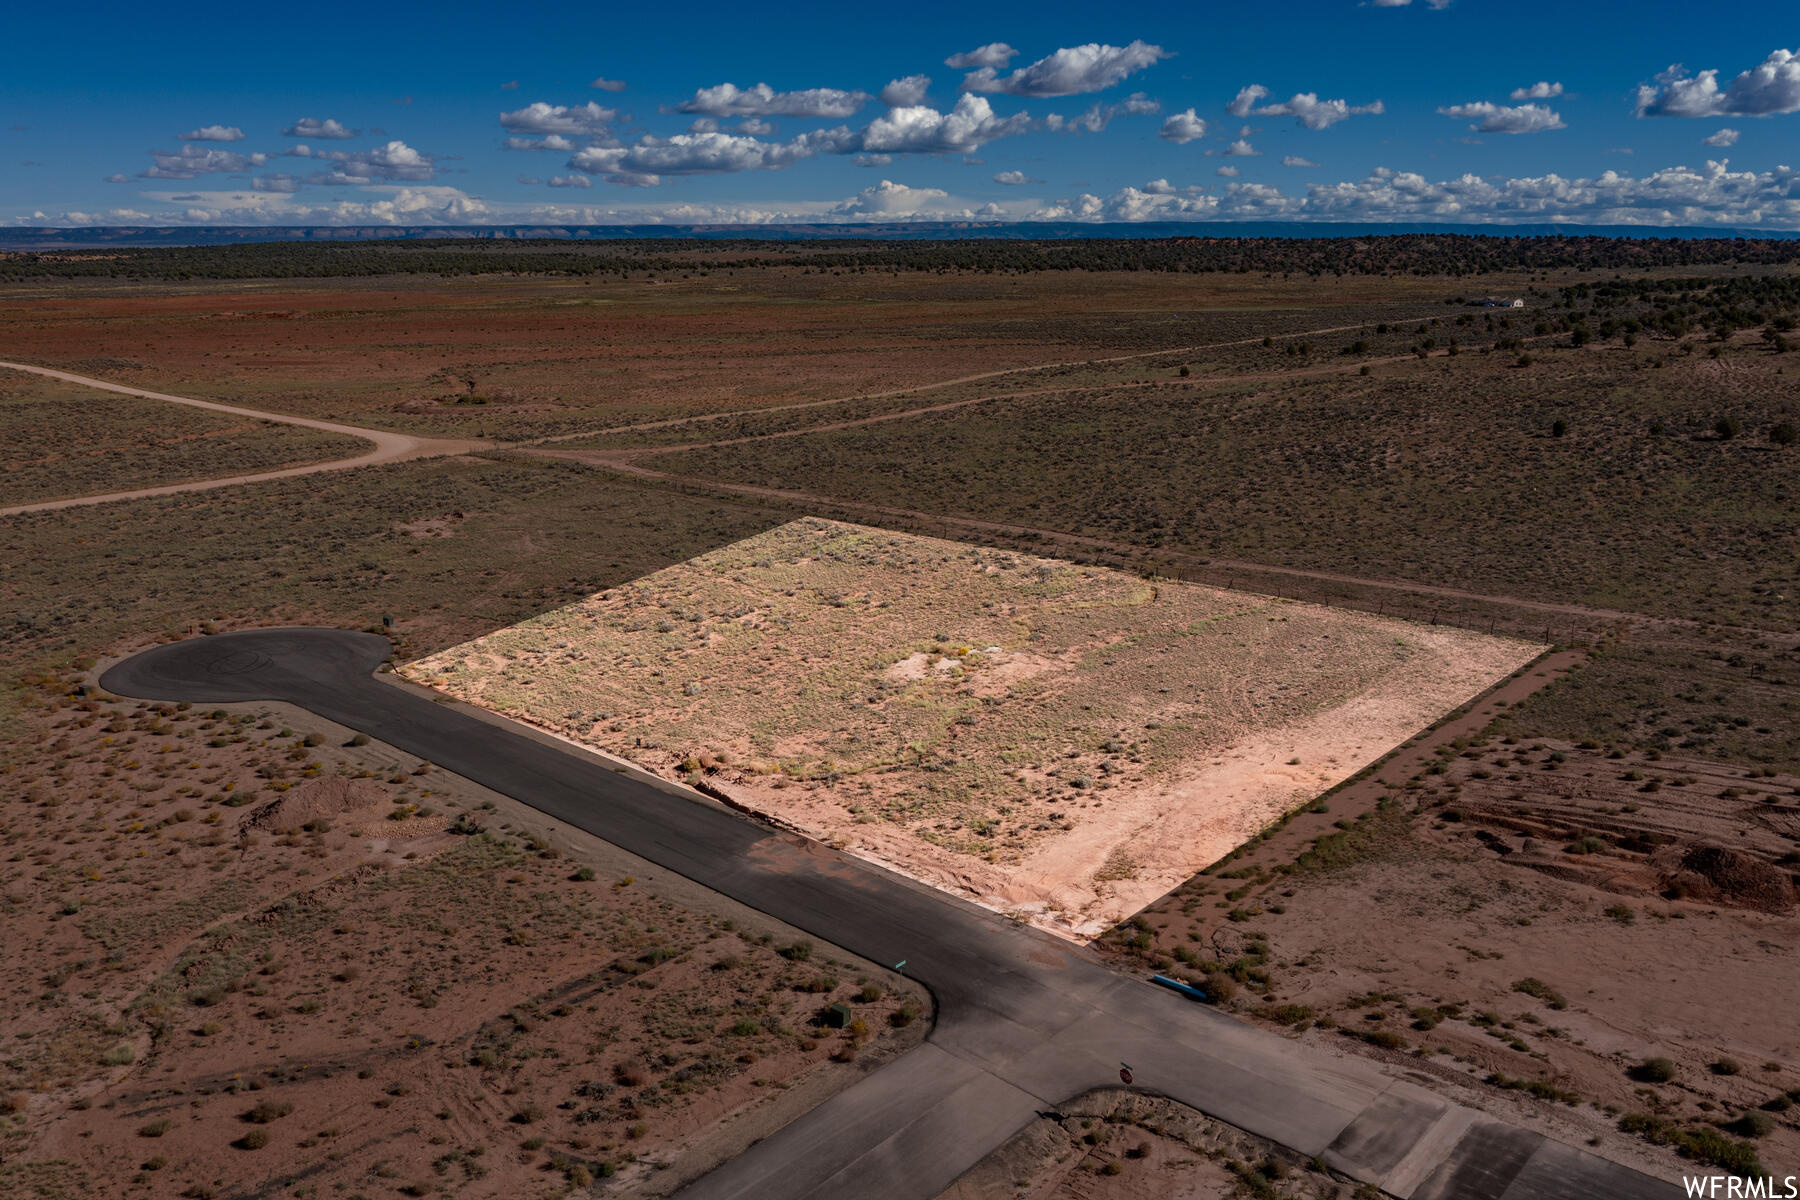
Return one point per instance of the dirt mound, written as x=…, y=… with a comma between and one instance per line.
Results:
x=1623, y=878
x=443, y=525
x=320, y=799
x=1719, y=875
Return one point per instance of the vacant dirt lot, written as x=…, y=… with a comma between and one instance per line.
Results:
x=246, y=953
x=1061, y=741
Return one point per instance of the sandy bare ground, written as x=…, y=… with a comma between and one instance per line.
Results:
x=321, y=935
x=388, y=446
x=1061, y=742
x=1628, y=953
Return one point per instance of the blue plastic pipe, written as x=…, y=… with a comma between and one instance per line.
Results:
x=1175, y=985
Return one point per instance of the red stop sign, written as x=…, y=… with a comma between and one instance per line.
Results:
x=1124, y=1074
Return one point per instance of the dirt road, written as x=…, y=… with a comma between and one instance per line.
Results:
x=388, y=447
x=395, y=447
x=669, y=422
x=626, y=462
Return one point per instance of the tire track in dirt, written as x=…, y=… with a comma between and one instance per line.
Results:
x=534, y=446
x=1610, y=620
x=669, y=422
x=626, y=461
x=388, y=446
x=635, y=452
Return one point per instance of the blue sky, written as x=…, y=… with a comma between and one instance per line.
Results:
x=1360, y=110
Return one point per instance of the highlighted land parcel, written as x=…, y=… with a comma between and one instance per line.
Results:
x=1059, y=741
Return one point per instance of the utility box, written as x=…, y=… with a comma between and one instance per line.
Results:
x=838, y=1016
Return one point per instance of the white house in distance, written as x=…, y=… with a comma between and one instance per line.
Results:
x=1496, y=302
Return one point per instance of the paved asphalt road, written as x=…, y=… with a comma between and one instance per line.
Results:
x=1025, y=1021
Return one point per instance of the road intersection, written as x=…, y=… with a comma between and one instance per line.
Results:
x=1024, y=1023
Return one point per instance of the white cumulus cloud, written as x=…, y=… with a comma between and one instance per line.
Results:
x=276, y=206
x=1543, y=89
x=576, y=120
x=920, y=129
x=1099, y=116
x=1071, y=71
x=214, y=133
x=1305, y=107
x=1487, y=117
x=1765, y=90
x=888, y=198
x=1246, y=99
x=396, y=161
x=193, y=160
x=1182, y=128
x=729, y=100
x=1015, y=178
x=646, y=162
x=312, y=127
x=1294, y=160
x=994, y=54
x=906, y=91
x=554, y=141
x=1712, y=196
x=1158, y=200
x=1721, y=139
